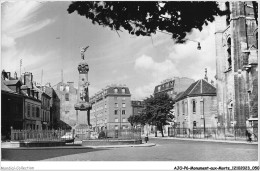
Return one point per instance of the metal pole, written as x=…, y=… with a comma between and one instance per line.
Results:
x=120, y=119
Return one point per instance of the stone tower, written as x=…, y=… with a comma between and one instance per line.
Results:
x=236, y=64
x=83, y=106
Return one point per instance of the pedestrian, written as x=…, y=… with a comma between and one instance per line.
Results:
x=248, y=135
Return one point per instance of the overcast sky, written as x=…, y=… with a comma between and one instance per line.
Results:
x=47, y=38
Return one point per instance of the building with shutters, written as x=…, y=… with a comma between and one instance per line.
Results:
x=111, y=108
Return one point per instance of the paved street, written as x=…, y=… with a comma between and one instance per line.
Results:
x=165, y=150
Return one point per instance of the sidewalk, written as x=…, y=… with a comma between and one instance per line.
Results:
x=76, y=145
x=159, y=136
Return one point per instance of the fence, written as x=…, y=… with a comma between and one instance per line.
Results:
x=39, y=135
x=78, y=134
x=109, y=134
x=220, y=133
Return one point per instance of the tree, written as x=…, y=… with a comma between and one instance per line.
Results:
x=146, y=18
x=134, y=120
x=158, y=110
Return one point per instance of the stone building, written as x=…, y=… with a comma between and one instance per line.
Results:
x=137, y=107
x=12, y=109
x=196, y=106
x=173, y=86
x=110, y=108
x=237, y=64
x=32, y=103
x=67, y=97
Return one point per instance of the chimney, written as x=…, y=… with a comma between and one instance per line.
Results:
x=28, y=78
x=8, y=75
x=15, y=76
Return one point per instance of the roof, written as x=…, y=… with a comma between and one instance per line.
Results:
x=5, y=88
x=11, y=82
x=199, y=88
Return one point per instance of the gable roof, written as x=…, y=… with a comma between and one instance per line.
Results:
x=199, y=88
x=5, y=88
x=12, y=82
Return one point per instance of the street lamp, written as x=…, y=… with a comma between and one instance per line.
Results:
x=198, y=47
x=119, y=110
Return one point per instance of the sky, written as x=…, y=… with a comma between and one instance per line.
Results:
x=48, y=40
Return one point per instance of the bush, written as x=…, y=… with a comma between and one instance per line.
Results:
x=101, y=135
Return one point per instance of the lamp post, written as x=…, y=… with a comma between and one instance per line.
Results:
x=198, y=47
x=119, y=110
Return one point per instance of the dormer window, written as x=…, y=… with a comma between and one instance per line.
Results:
x=123, y=90
x=115, y=90
x=61, y=88
x=159, y=88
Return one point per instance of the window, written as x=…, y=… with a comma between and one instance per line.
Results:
x=123, y=112
x=105, y=106
x=67, y=97
x=67, y=88
x=28, y=110
x=159, y=88
x=61, y=88
x=123, y=120
x=116, y=127
x=178, y=109
x=116, y=104
x=183, y=107
x=194, y=123
x=116, y=119
x=115, y=90
x=194, y=106
x=115, y=112
x=123, y=105
x=38, y=112
x=33, y=111
x=229, y=53
x=123, y=91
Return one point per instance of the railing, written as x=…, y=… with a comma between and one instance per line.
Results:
x=109, y=134
x=39, y=135
x=220, y=133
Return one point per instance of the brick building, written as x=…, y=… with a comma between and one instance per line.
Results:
x=196, y=106
x=110, y=108
x=237, y=64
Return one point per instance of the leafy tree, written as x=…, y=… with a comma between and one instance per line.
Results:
x=158, y=110
x=146, y=18
x=136, y=119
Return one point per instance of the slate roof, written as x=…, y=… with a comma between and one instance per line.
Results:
x=11, y=82
x=5, y=88
x=110, y=90
x=199, y=88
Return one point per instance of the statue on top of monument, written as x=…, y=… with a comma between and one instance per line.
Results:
x=82, y=51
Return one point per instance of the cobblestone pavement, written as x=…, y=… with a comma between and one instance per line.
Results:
x=165, y=150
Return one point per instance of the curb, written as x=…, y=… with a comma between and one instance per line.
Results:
x=205, y=140
x=77, y=147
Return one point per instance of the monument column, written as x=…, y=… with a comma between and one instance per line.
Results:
x=83, y=106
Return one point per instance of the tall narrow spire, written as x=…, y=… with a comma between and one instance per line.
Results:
x=206, y=77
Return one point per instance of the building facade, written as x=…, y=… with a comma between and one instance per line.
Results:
x=64, y=104
x=173, y=86
x=137, y=107
x=196, y=106
x=12, y=109
x=237, y=64
x=111, y=108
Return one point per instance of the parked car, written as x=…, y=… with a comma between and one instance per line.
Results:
x=68, y=137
